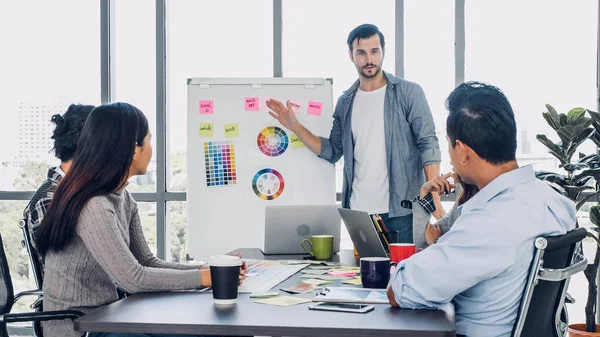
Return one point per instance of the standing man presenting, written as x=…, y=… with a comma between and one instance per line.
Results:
x=384, y=129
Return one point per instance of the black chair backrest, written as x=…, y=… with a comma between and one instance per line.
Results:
x=547, y=297
x=7, y=295
x=6, y=288
x=34, y=258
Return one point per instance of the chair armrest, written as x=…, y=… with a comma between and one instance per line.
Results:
x=22, y=294
x=569, y=299
x=556, y=275
x=37, y=304
x=41, y=316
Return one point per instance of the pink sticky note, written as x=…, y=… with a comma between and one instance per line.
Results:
x=251, y=103
x=315, y=108
x=295, y=106
x=206, y=107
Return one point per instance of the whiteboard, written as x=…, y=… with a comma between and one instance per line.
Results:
x=233, y=175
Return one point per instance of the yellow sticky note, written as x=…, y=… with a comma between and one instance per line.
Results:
x=207, y=129
x=296, y=142
x=232, y=130
x=355, y=281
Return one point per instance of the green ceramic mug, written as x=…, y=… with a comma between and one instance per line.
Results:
x=321, y=246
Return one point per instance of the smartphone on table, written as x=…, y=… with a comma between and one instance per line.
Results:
x=343, y=307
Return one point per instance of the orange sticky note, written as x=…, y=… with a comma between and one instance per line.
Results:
x=206, y=107
x=315, y=108
x=251, y=103
x=295, y=106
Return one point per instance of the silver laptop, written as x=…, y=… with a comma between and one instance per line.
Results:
x=287, y=225
x=363, y=234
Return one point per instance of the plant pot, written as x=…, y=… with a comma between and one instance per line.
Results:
x=579, y=330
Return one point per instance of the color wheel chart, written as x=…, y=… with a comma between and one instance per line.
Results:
x=272, y=141
x=219, y=160
x=268, y=184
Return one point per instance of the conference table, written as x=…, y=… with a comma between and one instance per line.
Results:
x=193, y=312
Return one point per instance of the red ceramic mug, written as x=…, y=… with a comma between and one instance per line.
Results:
x=401, y=251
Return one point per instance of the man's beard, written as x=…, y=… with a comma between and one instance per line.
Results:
x=375, y=73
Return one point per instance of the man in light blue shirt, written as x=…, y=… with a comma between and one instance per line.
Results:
x=481, y=264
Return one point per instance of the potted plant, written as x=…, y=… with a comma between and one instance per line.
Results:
x=582, y=175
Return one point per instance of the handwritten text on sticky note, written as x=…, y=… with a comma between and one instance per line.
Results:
x=296, y=142
x=251, y=103
x=206, y=107
x=295, y=106
x=315, y=108
x=207, y=129
x=232, y=130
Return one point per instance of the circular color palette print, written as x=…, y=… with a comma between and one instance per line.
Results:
x=268, y=184
x=272, y=141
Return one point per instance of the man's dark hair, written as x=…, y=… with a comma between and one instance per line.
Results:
x=365, y=31
x=68, y=128
x=482, y=118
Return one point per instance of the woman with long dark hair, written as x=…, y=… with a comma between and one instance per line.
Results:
x=91, y=234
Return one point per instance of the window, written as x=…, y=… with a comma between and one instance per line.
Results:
x=211, y=47
x=135, y=70
x=545, y=53
x=54, y=61
x=147, y=212
x=535, y=59
x=314, y=42
x=18, y=260
x=176, y=231
x=429, y=58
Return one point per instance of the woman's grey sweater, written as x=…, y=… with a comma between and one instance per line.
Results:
x=108, y=247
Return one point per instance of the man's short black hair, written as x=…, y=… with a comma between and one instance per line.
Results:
x=482, y=118
x=365, y=31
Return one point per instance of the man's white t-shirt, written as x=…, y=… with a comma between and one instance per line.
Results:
x=370, y=188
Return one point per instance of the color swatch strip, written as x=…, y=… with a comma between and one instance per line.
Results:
x=219, y=160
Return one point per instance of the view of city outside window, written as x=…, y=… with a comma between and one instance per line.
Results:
x=544, y=52
x=209, y=47
x=50, y=59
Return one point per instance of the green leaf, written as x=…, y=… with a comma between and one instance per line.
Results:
x=596, y=138
x=553, y=114
x=591, y=173
x=595, y=215
x=595, y=116
x=574, y=191
x=556, y=149
x=585, y=199
x=583, y=121
x=575, y=166
x=558, y=188
x=563, y=119
x=575, y=113
x=553, y=124
x=554, y=178
x=572, y=147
